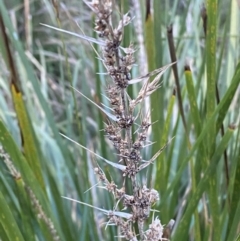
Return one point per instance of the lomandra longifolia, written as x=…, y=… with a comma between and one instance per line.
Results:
x=118, y=62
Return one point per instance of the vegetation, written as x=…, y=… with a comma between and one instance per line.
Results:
x=49, y=97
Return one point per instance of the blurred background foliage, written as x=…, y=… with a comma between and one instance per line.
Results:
x=197, y=176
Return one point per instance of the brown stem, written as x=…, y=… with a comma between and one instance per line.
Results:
x=175, y=72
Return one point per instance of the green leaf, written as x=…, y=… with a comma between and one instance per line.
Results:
x=182, y=230
x=8, y=222
x=27, y=175
x=30, y=143
x=204, y=131
x=233, y=88
x=234, y=217
x=25, y=210
x=211, y=67
x=193, y=102
x=32, y=78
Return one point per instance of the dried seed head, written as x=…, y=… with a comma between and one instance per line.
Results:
x=128, y=200
x=125, y=122
x=103, y=10
x=130, y=171
x=118, y=62
x=120, y=193
x=100, y=174
x=125, y=228
x=111, y=187
x=155, y=231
